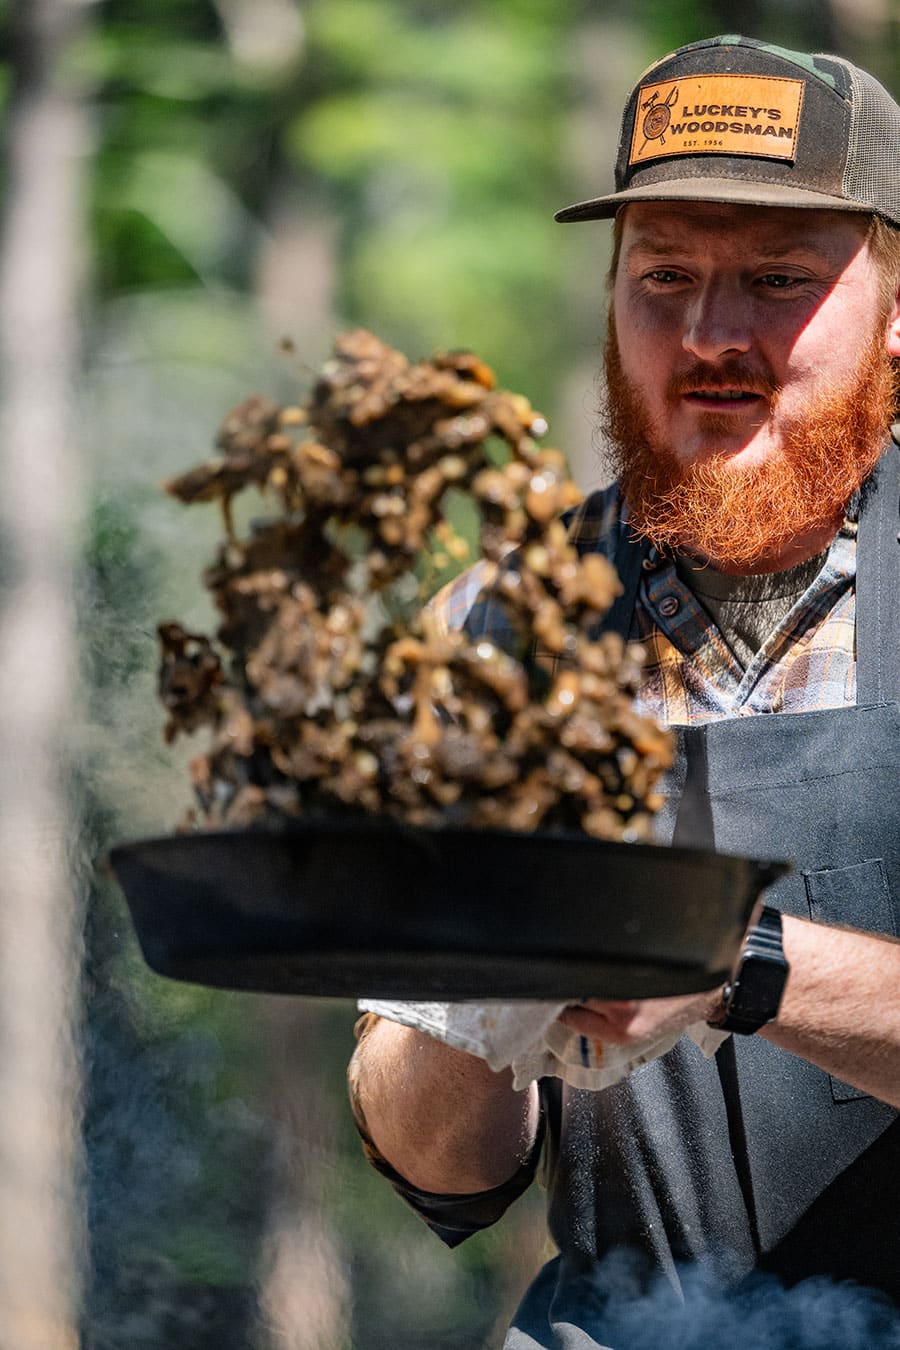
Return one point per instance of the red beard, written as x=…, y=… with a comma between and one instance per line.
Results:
x=736, y=516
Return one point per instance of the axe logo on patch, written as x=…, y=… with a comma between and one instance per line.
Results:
x=658, y=115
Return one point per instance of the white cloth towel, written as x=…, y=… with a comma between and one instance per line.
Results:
x=527, y=1037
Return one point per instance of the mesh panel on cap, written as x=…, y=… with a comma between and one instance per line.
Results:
x=871, y=174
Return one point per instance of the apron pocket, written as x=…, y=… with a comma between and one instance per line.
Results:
x=857, y=897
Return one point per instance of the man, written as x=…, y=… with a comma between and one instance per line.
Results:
x=751, y=364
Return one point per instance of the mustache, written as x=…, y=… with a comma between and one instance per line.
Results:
x=827, y=451
x=731, y=374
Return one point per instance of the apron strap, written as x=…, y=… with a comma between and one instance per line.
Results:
x=629, y=563
x=878, y=585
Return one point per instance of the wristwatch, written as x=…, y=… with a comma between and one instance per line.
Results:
x=753, y=995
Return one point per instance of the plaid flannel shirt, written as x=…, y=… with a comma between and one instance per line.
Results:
x=690, y=674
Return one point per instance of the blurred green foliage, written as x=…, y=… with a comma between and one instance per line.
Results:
x=438, y=130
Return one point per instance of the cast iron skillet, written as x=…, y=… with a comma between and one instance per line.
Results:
x=353, y=908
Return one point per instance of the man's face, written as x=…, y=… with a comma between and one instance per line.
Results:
x=741, y=339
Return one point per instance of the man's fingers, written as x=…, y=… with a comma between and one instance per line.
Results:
x=614, y=1006
x=625, y=1021
x=599, y=1021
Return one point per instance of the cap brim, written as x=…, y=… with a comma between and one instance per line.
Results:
x=736, y=191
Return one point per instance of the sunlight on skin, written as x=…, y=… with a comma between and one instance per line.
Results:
x=745, y=290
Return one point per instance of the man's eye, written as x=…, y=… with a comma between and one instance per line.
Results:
x=664, y=275
x=779, y=281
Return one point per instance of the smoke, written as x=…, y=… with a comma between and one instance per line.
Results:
x=760, y=1313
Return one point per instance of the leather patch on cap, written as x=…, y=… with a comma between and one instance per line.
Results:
x=717, y=115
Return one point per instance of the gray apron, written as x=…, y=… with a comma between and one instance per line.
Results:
x=754, y=1160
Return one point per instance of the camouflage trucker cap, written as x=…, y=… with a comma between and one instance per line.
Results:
x=731, y=119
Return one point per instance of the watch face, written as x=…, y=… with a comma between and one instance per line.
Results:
x=759, y=986
x=755, y=996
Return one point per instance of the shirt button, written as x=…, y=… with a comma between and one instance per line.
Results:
x=669, y=606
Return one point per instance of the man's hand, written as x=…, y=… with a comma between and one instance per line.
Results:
x=840, y=1010
x=634, y=1021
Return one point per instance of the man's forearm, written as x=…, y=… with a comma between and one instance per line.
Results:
x=840, y=1010
x=440, y=1117
x=841, y=1006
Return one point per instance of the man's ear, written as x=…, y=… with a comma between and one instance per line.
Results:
x=894, y=328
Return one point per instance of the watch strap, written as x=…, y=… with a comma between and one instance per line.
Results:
x=753, y=996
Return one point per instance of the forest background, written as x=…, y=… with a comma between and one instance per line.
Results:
x=186, y=184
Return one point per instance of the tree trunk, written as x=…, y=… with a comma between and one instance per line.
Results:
x=305, y=1295
x=40, y=264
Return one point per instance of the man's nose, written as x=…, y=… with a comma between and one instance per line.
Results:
x=717, y=322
